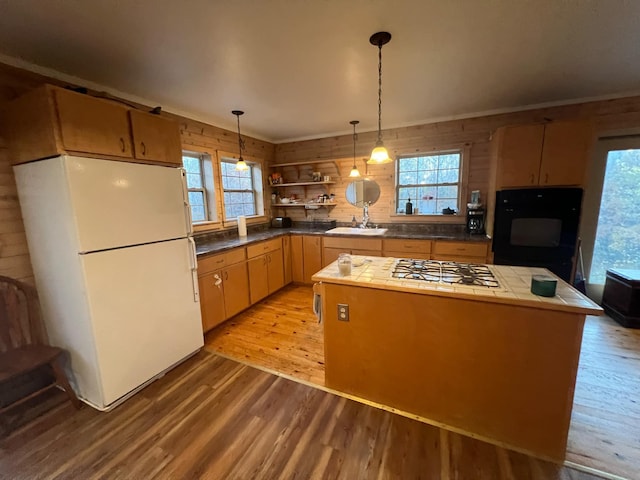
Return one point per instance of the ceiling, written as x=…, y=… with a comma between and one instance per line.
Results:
x=304, y=68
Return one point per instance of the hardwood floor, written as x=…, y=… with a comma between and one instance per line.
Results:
x=214, y=418
x=281, y=334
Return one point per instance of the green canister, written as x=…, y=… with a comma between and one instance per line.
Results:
x=543, y=285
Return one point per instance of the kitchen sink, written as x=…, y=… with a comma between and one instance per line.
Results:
x=357, y=231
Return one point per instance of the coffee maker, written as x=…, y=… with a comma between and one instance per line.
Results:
x=475, y=218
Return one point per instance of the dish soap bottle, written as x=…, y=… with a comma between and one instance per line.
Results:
x=354, y=222
x=408, y=209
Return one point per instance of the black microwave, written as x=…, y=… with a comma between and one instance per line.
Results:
x=537, y=227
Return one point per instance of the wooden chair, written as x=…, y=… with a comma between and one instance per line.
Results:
x=28, y=366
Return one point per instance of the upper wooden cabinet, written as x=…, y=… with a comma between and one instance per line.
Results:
x=87, y=124
x=552, y=154
x=50, y=121
x=155, y=138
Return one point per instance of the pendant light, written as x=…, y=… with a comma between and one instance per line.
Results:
x=241, y=164
x=379, y=154
x=354, y=171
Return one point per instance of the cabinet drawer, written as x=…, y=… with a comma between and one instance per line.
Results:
x=422, y=256
x=459, y=258
x=351, y=243
x=220, y=260
x=264, y=247
x=406, y=245
x=465, y=249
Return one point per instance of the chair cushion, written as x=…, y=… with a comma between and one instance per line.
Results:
x=24, y=359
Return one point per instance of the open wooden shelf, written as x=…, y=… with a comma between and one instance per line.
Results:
x=306, y=162
x=299, y=184
x=308, y=204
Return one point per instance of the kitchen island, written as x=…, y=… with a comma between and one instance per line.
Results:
x=496, y=363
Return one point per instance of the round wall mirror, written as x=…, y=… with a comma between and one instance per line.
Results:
x=363, y=191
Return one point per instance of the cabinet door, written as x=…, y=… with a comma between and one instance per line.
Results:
x=286, y=259
x=93, y=125
x=565, y=152
x=236, y=289
x=155, y=138
x=519, y=153
x=211, y=300
x=297, y=259
x=275, y=271
x=312, y=251
x=330, y=254
x=258, y=278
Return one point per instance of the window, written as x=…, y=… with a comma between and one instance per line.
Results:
x=239, y=190
x=193, y=164
x=617, y=241
x=432, y=182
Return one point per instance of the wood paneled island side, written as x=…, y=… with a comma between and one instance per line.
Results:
x=496, y=364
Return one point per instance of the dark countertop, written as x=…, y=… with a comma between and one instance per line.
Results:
x=205, y=246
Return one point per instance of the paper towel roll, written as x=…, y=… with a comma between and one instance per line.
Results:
x=242, y=226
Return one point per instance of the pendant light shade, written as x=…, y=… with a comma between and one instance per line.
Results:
x=379, y=155
x=241, y=164
x=354, y=171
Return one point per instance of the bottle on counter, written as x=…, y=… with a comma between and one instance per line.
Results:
x=354, y=222
x=408, y=208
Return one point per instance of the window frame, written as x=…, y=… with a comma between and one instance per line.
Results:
x=464, y=152
x=258, y=179
x=253, y=190
x=202, y=189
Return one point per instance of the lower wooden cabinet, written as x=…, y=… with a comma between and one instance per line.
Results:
x=286, y=259
x=211, y=300
x=334, y=246
x=266, y=268
x=406, y=248
x=224, y=287
x=259, y=278
x=466, y=252
x=306, y=257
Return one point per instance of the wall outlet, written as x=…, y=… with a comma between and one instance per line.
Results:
x=343, y=312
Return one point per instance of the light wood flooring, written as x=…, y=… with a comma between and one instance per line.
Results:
x=214, y=418
x=281, y=334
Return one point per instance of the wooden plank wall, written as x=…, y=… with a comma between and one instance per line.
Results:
x=616, y=115
x=619, y=115
x=14, y=254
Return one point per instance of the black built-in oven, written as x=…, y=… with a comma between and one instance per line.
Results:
x=537, y=228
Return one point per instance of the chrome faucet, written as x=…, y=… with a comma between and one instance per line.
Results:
x=365, y=215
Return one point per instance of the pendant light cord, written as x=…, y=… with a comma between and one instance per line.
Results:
x=240, y=141
x=355, y=137
x=380, y=92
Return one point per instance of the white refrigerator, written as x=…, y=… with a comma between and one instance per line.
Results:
x=115, y=268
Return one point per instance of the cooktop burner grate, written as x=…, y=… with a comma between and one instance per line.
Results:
x=445, y=272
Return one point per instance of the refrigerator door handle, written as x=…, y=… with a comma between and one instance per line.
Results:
x=185, y=199
x=194, y=269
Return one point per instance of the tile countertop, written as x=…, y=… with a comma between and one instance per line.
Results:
x=515, y=285
x=206, y=246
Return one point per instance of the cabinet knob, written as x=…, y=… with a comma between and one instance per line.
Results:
x=122, y=146
x=144, y=148
x=546, y=178
x=531, y=181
